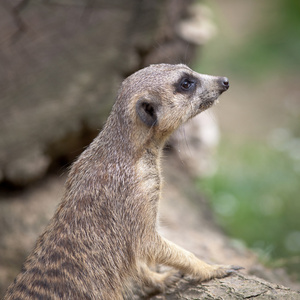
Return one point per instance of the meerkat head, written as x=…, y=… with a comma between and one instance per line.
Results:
x=162, y=97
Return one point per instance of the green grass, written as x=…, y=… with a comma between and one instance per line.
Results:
x=256, y=197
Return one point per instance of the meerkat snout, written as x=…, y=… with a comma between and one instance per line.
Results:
x=224, y=83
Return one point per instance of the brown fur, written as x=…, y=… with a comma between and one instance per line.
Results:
x=104, y=232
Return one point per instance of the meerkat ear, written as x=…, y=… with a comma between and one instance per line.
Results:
x=147, y=111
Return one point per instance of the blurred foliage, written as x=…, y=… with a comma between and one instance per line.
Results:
x=276, y=45
x=255, y=195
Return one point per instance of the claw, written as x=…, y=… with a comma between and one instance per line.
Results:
x=237, y=268
x=233, y=269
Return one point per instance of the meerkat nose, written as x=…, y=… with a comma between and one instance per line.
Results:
x=224, y=83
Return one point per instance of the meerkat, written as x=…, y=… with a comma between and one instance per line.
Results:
x=104, y=233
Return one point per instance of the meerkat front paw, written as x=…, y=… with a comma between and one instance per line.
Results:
x=216, y=271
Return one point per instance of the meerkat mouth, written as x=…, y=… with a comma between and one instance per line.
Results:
x=207, y=104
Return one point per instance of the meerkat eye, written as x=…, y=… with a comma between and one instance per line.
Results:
x=187, y=84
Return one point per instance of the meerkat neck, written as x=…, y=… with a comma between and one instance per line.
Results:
x=133, y=143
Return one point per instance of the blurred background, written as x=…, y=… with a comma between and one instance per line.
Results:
x=62, y=63
x=255, y=190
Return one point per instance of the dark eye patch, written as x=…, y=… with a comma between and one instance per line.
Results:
x=186, y=84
